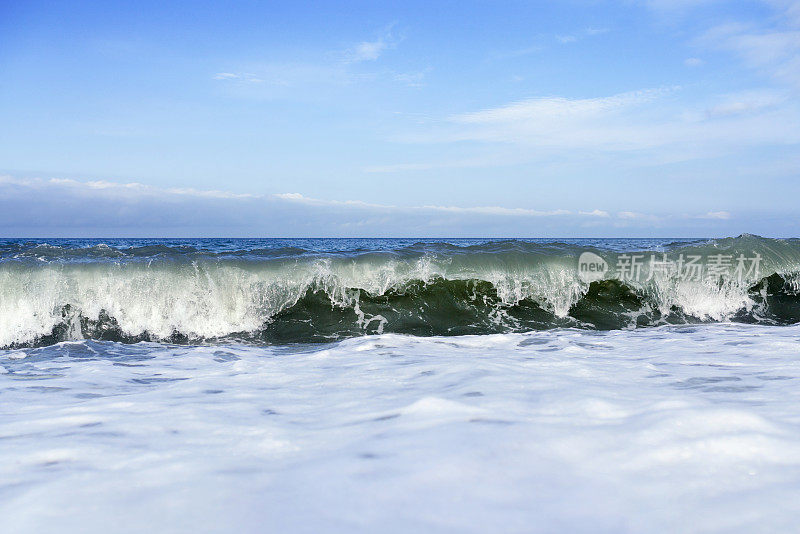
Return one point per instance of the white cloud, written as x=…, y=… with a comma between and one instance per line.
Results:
x=557, y=107
x=518, y=52
x=367, y=51
x=42, y=207
x=722, y=215
x=629, y=215
x=302, y=199
x=129, y=190
x=574, y=37
x=497, y=210
x=596, y=213
x=244, y=77
x=644, y=128
x=790, y=10
x=617, y=122
x=412, y=79
x=746, y=102
x=564, y=39
x=773, y=51
x=371, y=50
x=693, y=62
x=291, y=196
x=336, y=68
x=477, y=210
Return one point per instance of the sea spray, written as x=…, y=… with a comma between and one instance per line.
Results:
x=182, y=293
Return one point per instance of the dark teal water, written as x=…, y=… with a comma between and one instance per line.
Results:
x=310, y=290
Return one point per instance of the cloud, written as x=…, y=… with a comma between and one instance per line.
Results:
x=367, y=51
x=596, y=213
x=59, y=207
x=774, y=52
x=518, y=52
x=629, y=215
x=557, y=107
x=574, y=37
x=302, y=199
x=617, y=122
x=371, y=50
x=276, y=79
x=790, y=11
x=722, y=215
x=496, y=210
x=477, y=210
x=106, y=188
x=639, y=128
x=292, y=196
x=335, y=68
x=693, y=62
x=746, y=102
x=564, y=39
x=241, y=77
x=412, y=79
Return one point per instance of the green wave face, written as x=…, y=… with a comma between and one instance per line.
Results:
x=294, y=295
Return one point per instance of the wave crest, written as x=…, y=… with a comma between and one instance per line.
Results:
x=425, y=289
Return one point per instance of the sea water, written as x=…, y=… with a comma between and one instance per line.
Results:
x=247, y=386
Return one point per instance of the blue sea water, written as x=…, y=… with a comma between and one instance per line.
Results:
x=395, y=386
x=320, y=245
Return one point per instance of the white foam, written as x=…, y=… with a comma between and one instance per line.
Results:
x=215, y=298
x=672, y=429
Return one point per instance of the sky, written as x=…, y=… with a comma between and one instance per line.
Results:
x=578, y=118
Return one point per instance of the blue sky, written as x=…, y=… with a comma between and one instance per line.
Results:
x=573, y=118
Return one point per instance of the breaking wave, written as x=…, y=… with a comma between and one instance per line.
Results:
x=290, y=294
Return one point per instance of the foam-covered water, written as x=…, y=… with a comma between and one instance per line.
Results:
x=399, y=386
x=689, y=428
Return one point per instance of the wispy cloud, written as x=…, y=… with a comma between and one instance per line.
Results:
x=476, y=210
x=583, y=34
x=77, y=208
x=747, y=102
x=341, y=67
x=302, y=199
x=649, y=126
x=368, y=51
x=544, y=41
x=722, y=215
x=773, y=51
x=612, y=123
x=413, y=79
x=495, y=211
x=596, y=213
x=128, y=190
x=287, y=76
x=245, y=77
x=372, y=50
x=557, y=107
x=519, y=52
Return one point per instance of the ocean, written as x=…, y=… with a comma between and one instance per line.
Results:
x=400, y=385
